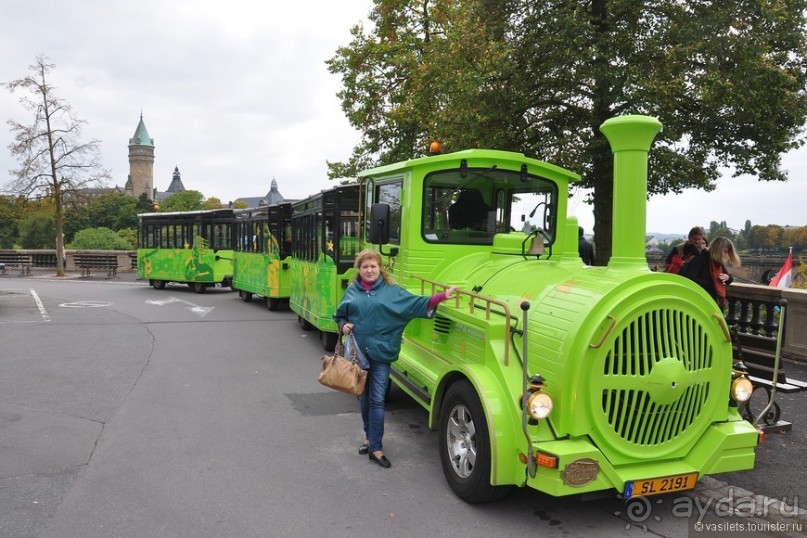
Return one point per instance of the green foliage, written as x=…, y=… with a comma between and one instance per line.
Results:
x=212, y=203
x=99, y=239
x=144, y=204
x=183, y=201
x=37, y=231
x=726, y=79
x=800, y=279
x=130, y=236
x=9, y=213
x=113, y=210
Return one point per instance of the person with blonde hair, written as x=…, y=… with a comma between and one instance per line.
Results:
x=708, y=269
x=376, y=311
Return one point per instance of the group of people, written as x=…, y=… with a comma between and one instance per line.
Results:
x=694, y=258
x=705, y=264
x=376, y=311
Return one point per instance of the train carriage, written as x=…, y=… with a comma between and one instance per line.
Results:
x=545, y=372
x=325, y=237
x=191, y=247
x=261, y=261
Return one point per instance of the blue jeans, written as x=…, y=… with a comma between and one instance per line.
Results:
x=372, y=402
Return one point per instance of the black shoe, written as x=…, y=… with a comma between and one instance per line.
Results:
x=364, y=449
x=382, y=461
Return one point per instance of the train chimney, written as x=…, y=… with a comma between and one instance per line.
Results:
x=630, y=138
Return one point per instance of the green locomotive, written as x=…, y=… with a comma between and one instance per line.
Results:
x=545, y=372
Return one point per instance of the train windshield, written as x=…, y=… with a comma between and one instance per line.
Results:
x=471, y=206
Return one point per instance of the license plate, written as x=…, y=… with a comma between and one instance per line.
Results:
x=658, y=486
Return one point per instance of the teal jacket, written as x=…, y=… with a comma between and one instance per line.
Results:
x=380, y=317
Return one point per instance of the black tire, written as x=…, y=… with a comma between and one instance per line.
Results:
x=245, y=296
x=227, y=282
x=272, y=304
x=329, y=340
x=199, y=287
x=158, y=284
x=465, y=446
x=304, y=324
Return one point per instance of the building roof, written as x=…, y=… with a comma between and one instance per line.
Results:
x=141, y=136
x=272, y=197
x=176, y=183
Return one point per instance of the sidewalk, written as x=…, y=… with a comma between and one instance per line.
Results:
x=129, y=275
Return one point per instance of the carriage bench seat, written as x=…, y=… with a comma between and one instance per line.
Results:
x=100, y=262
x=17, y=260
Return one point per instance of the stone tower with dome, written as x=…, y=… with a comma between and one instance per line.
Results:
x=141, y=163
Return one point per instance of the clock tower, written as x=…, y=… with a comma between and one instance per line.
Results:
x=141, y=163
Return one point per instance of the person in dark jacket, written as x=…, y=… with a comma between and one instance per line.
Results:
x=708, y=269
x=584, y=248
x=377, y=311
x=676, y=258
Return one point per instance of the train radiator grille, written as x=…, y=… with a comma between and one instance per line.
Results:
x=656, y=384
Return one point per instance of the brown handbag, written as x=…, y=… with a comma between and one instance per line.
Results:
x=341, y=373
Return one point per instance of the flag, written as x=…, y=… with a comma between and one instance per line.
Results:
x=782, y=278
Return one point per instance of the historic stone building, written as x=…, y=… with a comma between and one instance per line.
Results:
x=272, y=197
x=141, y=163
x=175, y=187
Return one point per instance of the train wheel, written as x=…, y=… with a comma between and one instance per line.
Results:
x=304, y=323
x=329, y=340
x=199, y=287
x=245, y=296
x=465, y=446
x=272, y=304
x=158, y=284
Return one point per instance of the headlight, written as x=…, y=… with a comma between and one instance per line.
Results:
x=539, y=405
x=741, y=389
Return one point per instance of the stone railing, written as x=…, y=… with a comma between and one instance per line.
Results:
x=754, y=309
x=43, y=258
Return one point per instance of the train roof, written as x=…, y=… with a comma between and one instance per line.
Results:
x=535, y=165
x=225, y=211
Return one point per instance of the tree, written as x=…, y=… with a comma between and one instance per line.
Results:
x=183, y=201
x=212, y=203
x=99, y=239
x=53, y=158
x=726, y=79
x=10, y=213
x=37, y=231
x=114, y=210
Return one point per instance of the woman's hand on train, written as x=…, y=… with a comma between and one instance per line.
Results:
x=347, y=328
x=451, y=292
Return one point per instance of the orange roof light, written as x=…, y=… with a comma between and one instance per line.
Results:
x=435, y=148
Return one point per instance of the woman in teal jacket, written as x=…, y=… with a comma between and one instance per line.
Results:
x=377, y=311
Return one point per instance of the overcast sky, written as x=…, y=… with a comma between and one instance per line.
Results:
x=237, y=93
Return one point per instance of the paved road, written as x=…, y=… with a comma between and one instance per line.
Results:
x=128, y=411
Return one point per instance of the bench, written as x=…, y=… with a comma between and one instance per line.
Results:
x=15, y=259
x=104, y=262
x=756, y=354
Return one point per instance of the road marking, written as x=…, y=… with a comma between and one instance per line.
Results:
x=85, y=304
x=200, y=311
x=39, y=305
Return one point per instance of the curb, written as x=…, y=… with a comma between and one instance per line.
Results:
x=724, y=500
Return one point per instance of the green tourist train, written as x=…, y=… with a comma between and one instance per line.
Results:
x=544, y=372
x=261, y=262
x=189, y=247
